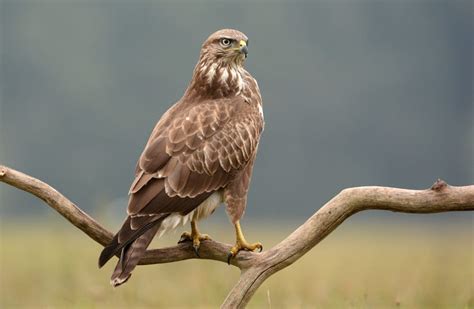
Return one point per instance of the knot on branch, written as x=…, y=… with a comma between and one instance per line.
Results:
x=3, y=170
x=439, y=185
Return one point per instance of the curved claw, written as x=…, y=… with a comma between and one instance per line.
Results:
x=196, y=250
x=196, y=238
x=243, y=246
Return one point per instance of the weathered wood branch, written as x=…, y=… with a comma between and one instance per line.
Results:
x=257, y=267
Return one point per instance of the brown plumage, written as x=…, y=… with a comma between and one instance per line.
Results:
x=200, y=153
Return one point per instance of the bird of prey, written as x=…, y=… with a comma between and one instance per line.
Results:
x=200, y=154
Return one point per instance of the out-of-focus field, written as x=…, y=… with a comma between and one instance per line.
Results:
x=357, y=266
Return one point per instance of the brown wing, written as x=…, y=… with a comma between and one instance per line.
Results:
x=191, y=153
x=197, y=153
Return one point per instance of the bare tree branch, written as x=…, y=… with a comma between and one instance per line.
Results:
x=58, y=202
x=439, y=198
x=257, y=267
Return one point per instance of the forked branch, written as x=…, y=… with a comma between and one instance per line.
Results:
x=257, y=267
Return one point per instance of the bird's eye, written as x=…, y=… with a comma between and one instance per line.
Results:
x=226, y=42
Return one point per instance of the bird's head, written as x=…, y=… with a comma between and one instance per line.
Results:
x=226, y=46
x=219, y=71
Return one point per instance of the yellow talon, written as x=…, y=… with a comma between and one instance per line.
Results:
x=242, y=244
x=194, y=236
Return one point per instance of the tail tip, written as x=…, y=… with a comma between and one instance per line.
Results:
x=117, y=281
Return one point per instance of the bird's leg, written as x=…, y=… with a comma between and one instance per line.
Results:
x=241, y=243
x=194, y=236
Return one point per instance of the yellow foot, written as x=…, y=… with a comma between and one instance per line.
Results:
x=196, y=238
x=241, y=244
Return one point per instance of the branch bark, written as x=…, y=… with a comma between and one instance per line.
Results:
x=257, y=267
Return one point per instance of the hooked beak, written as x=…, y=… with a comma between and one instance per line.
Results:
x=243, y=48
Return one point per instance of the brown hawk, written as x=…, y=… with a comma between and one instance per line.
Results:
x=199, y=155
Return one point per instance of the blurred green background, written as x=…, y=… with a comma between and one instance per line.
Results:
x=370, y=92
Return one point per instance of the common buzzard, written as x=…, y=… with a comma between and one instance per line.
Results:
x=199, y=155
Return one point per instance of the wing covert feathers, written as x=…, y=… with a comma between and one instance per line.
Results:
x=201, y=148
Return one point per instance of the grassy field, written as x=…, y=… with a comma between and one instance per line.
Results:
x=358, y=266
